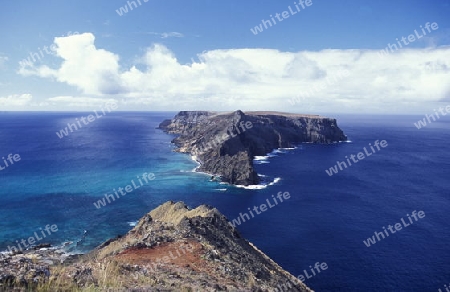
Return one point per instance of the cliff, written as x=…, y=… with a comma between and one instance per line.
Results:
x=225, y=144
x=172, y=248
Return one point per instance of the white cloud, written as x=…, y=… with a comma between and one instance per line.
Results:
x=171, y=34
x=165, y=35
x=256, y=78
x=84, y=102
x=15, y=100
x=84, y=66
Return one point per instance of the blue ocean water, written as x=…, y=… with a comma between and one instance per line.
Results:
x=325, y=220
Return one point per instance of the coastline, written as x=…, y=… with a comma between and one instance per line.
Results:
x=260, y=186
x=232, y=157
x=258, y=160
x=193, y=243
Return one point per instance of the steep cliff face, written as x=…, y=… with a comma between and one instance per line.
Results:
x=226, y=143
x=172, y=248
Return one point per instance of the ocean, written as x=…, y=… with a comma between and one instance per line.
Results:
x=326, y=218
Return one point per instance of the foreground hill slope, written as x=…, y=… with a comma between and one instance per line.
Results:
x=225, y=144
x=172, y=248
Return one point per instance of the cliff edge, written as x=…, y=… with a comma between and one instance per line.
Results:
x=225, y=144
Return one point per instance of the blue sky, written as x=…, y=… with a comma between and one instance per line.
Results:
x=173, y=55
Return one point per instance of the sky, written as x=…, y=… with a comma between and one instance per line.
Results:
x=304, y=56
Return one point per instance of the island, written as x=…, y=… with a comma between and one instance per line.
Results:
x=226, y=143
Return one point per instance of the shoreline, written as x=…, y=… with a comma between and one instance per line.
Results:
x=158, y=242
x=269, y=131
x=262, y=160
x=262, y=185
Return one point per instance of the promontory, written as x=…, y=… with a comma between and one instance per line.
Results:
x=172, y=248
x=225, y=143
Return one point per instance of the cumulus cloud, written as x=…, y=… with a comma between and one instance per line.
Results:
x=255, y=78
x=16, y=100
x=84, y=66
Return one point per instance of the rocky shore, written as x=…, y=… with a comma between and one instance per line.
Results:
x=172, y=248
x=225, y=144
x=31, y=267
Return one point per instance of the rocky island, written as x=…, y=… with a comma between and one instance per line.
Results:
x=172, y=248
x=225, y=144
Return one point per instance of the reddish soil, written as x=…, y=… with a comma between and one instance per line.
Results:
x=182, y=254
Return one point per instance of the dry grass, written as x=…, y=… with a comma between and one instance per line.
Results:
x=58, y=281
x=175, y=212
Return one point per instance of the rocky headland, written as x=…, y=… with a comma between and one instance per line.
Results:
x=172, y=248
x=225, y=144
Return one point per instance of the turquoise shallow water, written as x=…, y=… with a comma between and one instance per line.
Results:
x=57, y=180
x=325, y=220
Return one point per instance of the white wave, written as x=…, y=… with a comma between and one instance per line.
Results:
x=260, y=186
x=259, y=158
x=222, y=190
x=132, y=223
x=261, y=162
x=277, y=179
x=203, y=173
x=263, y=159
x=195, y=158
x=252, y=187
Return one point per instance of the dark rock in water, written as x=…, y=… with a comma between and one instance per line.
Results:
x=225, y=144
x=42, y=245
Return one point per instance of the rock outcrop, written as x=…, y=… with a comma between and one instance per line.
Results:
x=172, y=248
x=225, y=144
